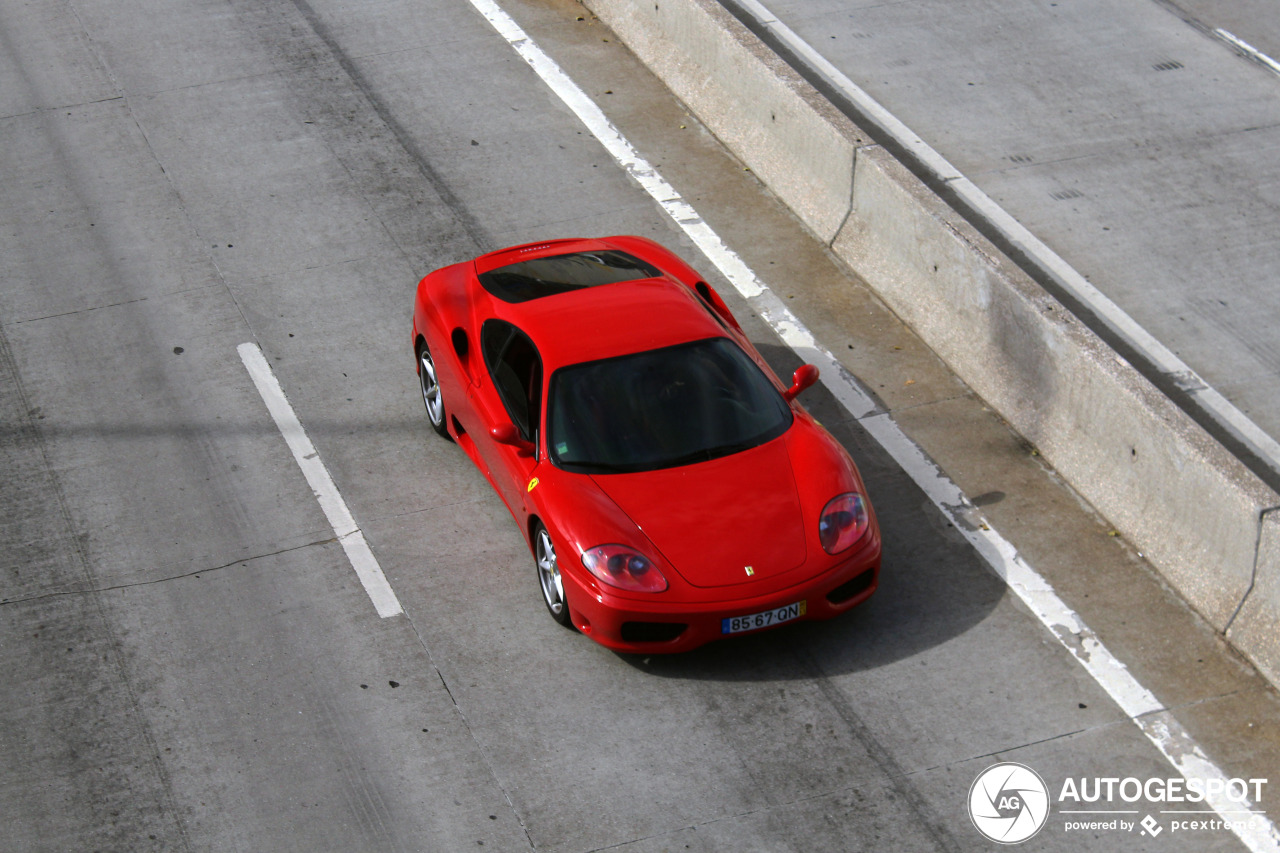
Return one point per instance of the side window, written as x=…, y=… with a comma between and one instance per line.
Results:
x=516, y=368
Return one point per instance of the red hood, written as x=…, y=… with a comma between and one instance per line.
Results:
x=714, y=519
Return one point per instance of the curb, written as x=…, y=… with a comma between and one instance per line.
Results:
x=1207, y=523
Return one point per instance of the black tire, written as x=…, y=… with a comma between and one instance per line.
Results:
x=549, y=579
x=432, y=398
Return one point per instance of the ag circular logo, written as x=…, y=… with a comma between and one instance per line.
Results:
x=1008, y=802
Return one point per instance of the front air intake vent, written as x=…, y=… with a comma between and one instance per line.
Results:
x=651, y=632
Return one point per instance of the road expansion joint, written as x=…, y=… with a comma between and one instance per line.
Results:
x=460, y=711
x=194, y=573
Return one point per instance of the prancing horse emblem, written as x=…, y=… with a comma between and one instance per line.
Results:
x=750, y=571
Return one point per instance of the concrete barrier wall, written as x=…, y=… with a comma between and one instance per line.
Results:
x=1202, y=519
x=1191, y=507
x=799, y=145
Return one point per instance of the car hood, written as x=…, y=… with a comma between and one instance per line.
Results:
x=719, y=523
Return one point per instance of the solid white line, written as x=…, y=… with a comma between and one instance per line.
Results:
x=1248, y=49
x=326, y=492
x=1155, y=721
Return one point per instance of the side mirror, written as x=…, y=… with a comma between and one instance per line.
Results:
x=805, y=375
x=508, y=434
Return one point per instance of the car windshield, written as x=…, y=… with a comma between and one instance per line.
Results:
x=539, y=277
x=662, y=408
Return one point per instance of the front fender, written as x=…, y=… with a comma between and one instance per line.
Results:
x=580, y=516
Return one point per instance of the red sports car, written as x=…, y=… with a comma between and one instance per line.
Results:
x=670, y=487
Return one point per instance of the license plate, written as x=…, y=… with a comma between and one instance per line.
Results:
x=765, y=619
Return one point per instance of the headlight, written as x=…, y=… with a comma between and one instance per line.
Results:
x=844, y=520
x=625, y=568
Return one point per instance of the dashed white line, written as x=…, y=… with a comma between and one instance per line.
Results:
x=1138, y=703
x=326, y=491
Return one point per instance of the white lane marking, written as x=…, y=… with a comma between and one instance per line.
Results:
x=1155, y=721
x=1257, y=440
x=1248, y=49
x=326, y=492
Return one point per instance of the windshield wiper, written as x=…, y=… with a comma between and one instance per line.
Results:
x=709, y=453
x=601, y=468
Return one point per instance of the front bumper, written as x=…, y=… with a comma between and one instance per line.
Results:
x=630, y=625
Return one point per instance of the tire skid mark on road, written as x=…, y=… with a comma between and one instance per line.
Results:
x=466, y=221
x=89, y=683
x=361, y=785
x=1151, y=717
x=896, y=775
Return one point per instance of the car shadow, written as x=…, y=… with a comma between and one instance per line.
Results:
x=933, y=585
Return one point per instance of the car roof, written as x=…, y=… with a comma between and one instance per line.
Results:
x=610, y=320
x=605, y=320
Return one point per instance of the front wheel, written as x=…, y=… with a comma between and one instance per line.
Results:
x=431, y=396
x=549, y=579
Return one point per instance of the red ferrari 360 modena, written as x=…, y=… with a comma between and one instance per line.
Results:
x=670, y=487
